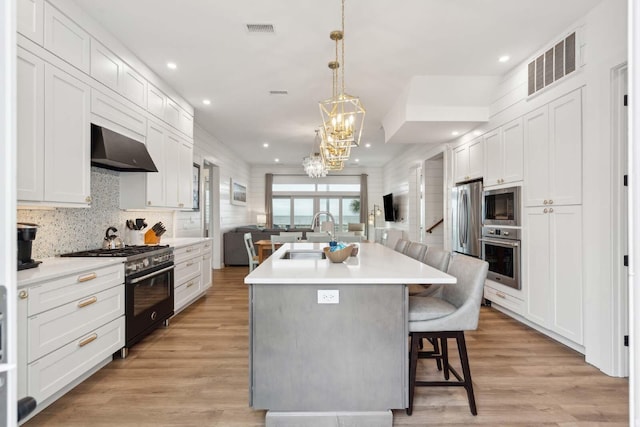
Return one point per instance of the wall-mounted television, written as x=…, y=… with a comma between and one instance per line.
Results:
x=389, y=211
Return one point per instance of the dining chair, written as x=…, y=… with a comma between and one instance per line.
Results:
x=456, y=311
x=349, y=238
x=401, y=245
x=297, y=234
x=282, y=238
x=356, y=227
x=416, y=250
x=251, y=252
x=318, y=237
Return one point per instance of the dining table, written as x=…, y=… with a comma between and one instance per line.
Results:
x=264, y=249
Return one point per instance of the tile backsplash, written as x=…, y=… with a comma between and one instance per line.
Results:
x=65, y=230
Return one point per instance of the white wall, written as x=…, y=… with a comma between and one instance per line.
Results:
x=231, y=165
x=433, y=172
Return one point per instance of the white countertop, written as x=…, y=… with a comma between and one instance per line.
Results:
x=178, y=242
x=58, y=266
x=375, y=264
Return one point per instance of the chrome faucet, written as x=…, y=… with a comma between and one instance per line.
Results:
x=327, y=213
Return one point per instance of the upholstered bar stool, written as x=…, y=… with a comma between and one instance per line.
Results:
x=401, y=246
x=282, y=238
x=318, y=237
x=416, y=250
x=456, y=311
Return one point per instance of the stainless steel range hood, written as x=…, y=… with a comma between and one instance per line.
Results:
x=111, y=150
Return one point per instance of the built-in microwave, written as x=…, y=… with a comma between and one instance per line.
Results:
x=501, y=207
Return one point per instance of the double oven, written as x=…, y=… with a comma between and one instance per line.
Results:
x=500, y=241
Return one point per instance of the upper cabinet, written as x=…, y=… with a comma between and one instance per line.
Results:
x=504, y=154
x=468, y=161
x=553, y=152
x=164, y=108
x=30, y=19
x=53, y=136
x=134, y=87
x=66, y=39
x=106, y=67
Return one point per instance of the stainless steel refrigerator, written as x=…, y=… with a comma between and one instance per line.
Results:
x=467, y=218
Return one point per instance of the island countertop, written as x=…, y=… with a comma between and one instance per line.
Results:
x=374, y=264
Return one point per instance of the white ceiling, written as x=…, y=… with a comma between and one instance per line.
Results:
x=386, y=43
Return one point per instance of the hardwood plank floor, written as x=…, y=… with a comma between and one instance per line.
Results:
x=195, y=373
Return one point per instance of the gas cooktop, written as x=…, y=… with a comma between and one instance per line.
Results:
x=127, y=251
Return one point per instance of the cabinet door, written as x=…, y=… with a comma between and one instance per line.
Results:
x=494, y=160
x=566, y=271
x=565, y=136
x=207, y=264
x=185, y=184
x=106, y=67
x=30, y=127
x=536, y=153
x=512, y=146
x=172, y=169
x=535, y=263
x=156, y=180
x=186, y=123
x=461, y=163
x=172, y=114
x=67, y=145
x=134, y=87
x=66, y=39
x=156, y=101
x=476, y=158
x=30, y=19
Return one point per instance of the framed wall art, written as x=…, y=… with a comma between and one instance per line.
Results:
x=238, y=193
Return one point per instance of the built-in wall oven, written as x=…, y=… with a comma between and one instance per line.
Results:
x=501, y=207
x=501, y=249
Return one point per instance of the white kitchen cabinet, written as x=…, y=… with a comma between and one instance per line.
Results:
x=468, y=161
x=156, y=101
x=171, y=186
x=116, y=110
x=67, y=148
x=66, y=39
x=186, y=123
x=134, y=87
x=69, y=325
x=172, y=113
x=553, y=153
x=30, y=19
x=552, y=267
x=30, y=126
x=187, y=275
x=106, y=66
x=504, y=154
x=207, y=265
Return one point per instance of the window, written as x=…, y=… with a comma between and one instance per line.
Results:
x=297, y=198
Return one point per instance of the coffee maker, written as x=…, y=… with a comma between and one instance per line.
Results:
x=26, y=235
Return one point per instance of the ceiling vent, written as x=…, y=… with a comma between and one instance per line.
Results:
x=260, y=28
x=552, y=65
x=279, y=92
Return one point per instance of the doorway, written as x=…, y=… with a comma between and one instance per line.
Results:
x=211, y=209
x=433, y=201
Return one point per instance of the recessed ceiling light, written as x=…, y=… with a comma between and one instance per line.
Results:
x=455, y=133
x=356, y=160
x=206, y=102
x=504, y=58
x=368, y=145
x=276, y=160
x=265, y=145
x=171, y=65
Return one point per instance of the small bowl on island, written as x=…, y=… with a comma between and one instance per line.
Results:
x=339, y=255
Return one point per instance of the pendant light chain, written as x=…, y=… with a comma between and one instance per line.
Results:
x=343, y=37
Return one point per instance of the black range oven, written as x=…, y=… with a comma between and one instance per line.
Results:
x=149, y=294
x=501, y=249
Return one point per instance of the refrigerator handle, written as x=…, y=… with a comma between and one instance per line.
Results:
x=465, y=204
x=460, y=199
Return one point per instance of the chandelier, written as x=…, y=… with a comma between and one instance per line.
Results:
x=314, y=165
x=342, y=114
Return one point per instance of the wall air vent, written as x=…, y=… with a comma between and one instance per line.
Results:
x=552, y=65
x=260, y=28
x=279, y=92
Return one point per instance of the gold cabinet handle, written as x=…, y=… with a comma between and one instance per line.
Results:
x=23, y=294
x=546, y=202
x=545, y=210
x=189, y=250
x=189, y=264
x=149, y=203
x=87, y=199
x=87, y=340
x=550, y=210
x=501, y=295
x=550, y=201
x=181, y=205
x=87, y=277
x=190, y=284
x=87, y=302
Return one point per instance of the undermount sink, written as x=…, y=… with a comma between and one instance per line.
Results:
x=303, y=254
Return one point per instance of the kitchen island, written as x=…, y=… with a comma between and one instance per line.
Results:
x=328, y=342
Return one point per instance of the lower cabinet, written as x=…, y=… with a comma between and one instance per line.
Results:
x=498, y=295
x=68, y=326
x=207, y=265
x=552, y=265
x=192, y=273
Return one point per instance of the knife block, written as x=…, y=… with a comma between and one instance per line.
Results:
x=150, y=238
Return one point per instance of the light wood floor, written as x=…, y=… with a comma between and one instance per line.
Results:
x=194, y=373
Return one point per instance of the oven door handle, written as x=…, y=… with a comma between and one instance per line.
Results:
x=501, y=242
x=155, y=273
